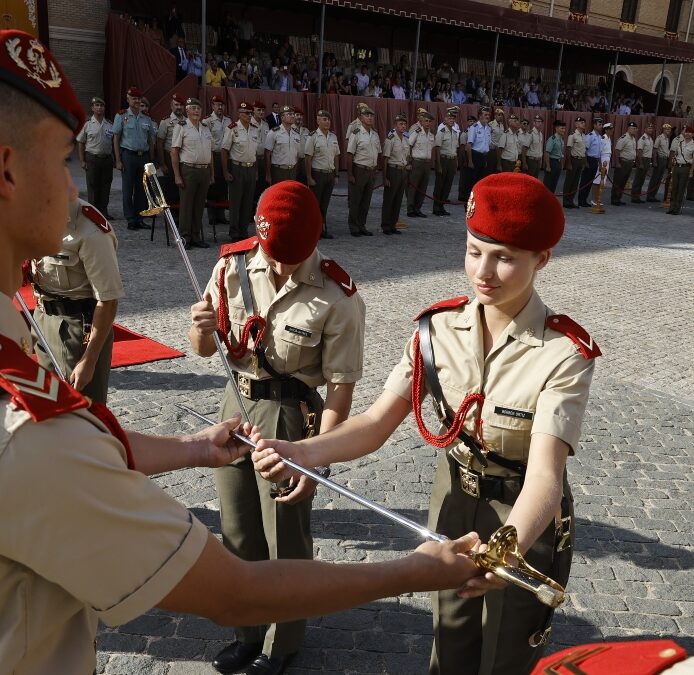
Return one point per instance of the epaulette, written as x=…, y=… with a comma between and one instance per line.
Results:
x=312, y=132
x=623, y=136
x=96, y=217
x=276, y=128
x=340, y=277
x=203, y=123
x=356, y=129
x=417, y=129
x=391, y=133
x=232, y=125
x=578, y=335
x=443, y=306
x=122, y=112
x=242, y=246
x=182, y=122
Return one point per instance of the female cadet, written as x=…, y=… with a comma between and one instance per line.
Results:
x=509, y=379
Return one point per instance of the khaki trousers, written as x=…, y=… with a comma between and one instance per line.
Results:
x=193, y=197
x=680, y=177
x=392, y=197
x=640, y=178
x=241, y=191
x=572, y=180
x=444, y=182
x=656, y=177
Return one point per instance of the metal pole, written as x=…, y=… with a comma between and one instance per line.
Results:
x=556, y=88
x=614, y=77
x=320, y=48
x=496, y=50
x=203, y=49
x=686, y=39
x=660, y=87
x=416, y=59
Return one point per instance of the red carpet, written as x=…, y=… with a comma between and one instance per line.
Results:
x=129, y=348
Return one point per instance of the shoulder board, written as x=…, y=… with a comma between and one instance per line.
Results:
x=96, y=217
x=564, y=324
x=444, y=306
x=203, y=123
x=340, y=277
x=276, y=128
x=232, y=125
x=356, y=129
x=182, y=122
x=108, y=121
x=312, y=132
x=623, y=136
x=238, y=247
x=417, y=129
x=123, y=111
x=391, y=133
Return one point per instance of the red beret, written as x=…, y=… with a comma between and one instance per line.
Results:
x=218, y=99
x=179, y=99
x=298, y=111
x=258, y=104
x=689, y=129
x=135, y=92
x=288, y=222
x=28, y=66
x=515, y=209
x=245, y=107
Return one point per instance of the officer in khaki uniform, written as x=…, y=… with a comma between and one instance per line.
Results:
x=164, y=136
x=508, y=146
x=396, y=161
x=303, y=136
x=283, y=149
x=313, y=323
x=644, y=161
x=322, y=158
x=217, y=123
x=625, y=155
x=421, y=142
x=497, y=127
x=576, y=146
x=446, y=143
x=682, y=168
x=258, y=120
x=355, y=123
x=661, y=155
x=532, y=148
x=240, y=170
x=420, y=117
x=95, y=147
x=191, y=157
x=77, y=292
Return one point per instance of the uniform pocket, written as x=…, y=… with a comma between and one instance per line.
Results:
x=297, y=347
x=507, y=429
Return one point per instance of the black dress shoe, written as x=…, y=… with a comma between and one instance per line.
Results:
x=444, y=213
x=584, y=205
x=421, y=215
x=269, y=665
x=411, y=214
x=637, y=201
x=326, y=235
x=201, y=244
x=236, y=656
x=650, y=199
x=570, y=206
x=395, y=231
x=188, y=246
x=387, y=231
x=366, y=233
x=356, y=234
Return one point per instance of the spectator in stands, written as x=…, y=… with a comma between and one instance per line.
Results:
x=546, y=98
x=398, y=91
x=173, y=28
x=481, y=94
x=332, y=86
x=637, y=107
x=245, y=32
x=285, y=52
x=472, y=84
x=226, y=63
x=195, y=64
x=241, y=78
x=304, y=83
x=215, y=76
x=624, y=108
x=600, y=105
x=445, y=73
x=679, y=109
x=343, y=86
x=371, y=89
x=427, y=89
x=532, y=98
x=282, y=80
x=458, y=96
x=363, y=79
x=181, y=55
x=688, y=113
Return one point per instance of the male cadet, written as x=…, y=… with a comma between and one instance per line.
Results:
x=258, y=120
x=363, y=149
x=576, y=146
x=396, y=159
x=282, y=149
x=644, y=160
x=508, y=146
x=497, y=127
x=421, y=142
x=593, y=144
x=445, y=159
x=625, y=155
x=240, y=168
x=133, y=145
x=532, y=149
x=682, y=168
x=322, y=158
x=217, y=123
x=84, y=533
x=465, y=175
x=77, y=292
x=164, y=136
x=361, y=106
x=523, y=136
x=303, y=135
x=419, y=118
x=479, y=138
x=553, y=158
x=95, y=147
x=661, y=156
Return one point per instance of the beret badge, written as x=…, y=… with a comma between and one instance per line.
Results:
x=37, y=68
x=262, y=226
x=470, y=206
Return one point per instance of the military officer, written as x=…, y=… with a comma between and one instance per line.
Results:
x=682, y=168
x=95, y=147
x=515, y=380
x=532, y=148
x=593, y=150
x=363, y=150
x=508, y=146
x=445, y=158
x=497, y=126
x=553, y=157
x=303, y=135
x=625, y=154
x=523, y=135
x=576, y=147
x=322, y=158
x=356, y=121
x=191, y=157
x=479, y=137
x=421, y=142
x=420, y=117
x=165, y=133
x=217, y=123
x=240, y=169
x=396, y=160
x=644, y=160
x=258, y=121
x=133, y=146
x=283, y=149
x=661, y=156
x=465, y=175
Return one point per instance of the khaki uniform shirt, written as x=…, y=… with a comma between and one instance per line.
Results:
x=303, y=134
x=463, y=139
x=396, y=149
x=645, y=144
x=534, y=142
x=662, y=146
x=285, y=146
x=421, y=143
x=87, y=265
x=365, y=146
x=322, y=149
x=497, y=129
x=263, y=130
x=351, y=127
x=523, y=139
x=626, y=147
x=509, y=144
x=195, y=144
x=166, y=129
x=241, y=143
x=97, y=137
x=217, y=127
x=683, y=150
x=82, y=538
x=448, y=140
x=533, y=379
x=314, y=331
x=577, y=143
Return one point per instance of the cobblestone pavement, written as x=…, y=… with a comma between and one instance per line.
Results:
x=626, y=276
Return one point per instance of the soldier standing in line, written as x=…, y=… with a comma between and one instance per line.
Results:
x=322, y=158
x=133, y=146
x=593, y=151
x=625, y=155
x=282, y=149
x=683, y=168
x=303, y=136
x=258, y=120
x=421, y=142
x=95, y=147
x=497, y=127
x=164, y=136
x=508, y=146
x=478, y=146
x=661, y=156
x=533, y=147
x=446, y=144
x=420, y=117
x=77, y=292
x=361, y=106
x=396, y=159
x=523, y=136
x=191, y=157
x=465, y=174
x=576, y=146
x=554, y=156
x=644, y=160
x=217, y=123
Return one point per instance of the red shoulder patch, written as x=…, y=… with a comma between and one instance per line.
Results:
x=238, y=247
x=340, y=277
x=579, y=336
x=443, y=306
x=232, y=125
x=122, y=111
x=96, y=217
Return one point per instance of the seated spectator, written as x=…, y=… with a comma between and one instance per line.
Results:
x=679, y=109
x=624, y=108
x=282, y=80
x=688, y=113
x=226, y=63
x=195, y=64
x=600, y=106
x=427, y=91
x=532, y=98
x=241, y=78
x=354, y=86
x=215, y=76
x=387, y=88
x=472, y=84
x=444, y=93
x=481, y=95
x=332, y=86
x=363, y=79
x=546, y=98
x=304, y=82
x=445, y=73
x=398, y=91
x=637, y=108
x=458, y=96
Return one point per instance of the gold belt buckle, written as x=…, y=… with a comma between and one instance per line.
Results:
x=244, y=385
x=564, y=534
x=469, y=482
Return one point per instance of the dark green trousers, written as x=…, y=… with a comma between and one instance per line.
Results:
x=323, y=189
x=656, y=177
x=619, y=180
x=392, y=197
x=508, y=165
x=418, y=184
x=241, y=191
x=680, y=177
x=279, y=174
x=193, y=198
x=640, y=178
x=217, y=192
x=572, y=180
x=260, y=184
x=534, y=166
x=359, y=197
x=444, y=182
x=99, y=177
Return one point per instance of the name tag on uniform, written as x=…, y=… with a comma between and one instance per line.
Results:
x=512, y=412
x=297, y=331
x=61, y=256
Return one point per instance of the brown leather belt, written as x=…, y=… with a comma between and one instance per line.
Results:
x=286, y=167
x=245, y=165
x=196, y=166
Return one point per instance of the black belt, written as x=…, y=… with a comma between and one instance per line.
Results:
x=94, y=154
x=271, y=389
x=139, y=153
x=480, y=486
x=68, y=306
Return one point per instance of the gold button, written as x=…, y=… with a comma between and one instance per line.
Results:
x=667, y=653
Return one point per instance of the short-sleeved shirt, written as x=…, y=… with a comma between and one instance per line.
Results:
x=396, y=150
x=303, y=134
x=82, y=537
x=625, y=147
x=496, y=129
x=284, y=145
x=662, y=146
x=87, y=264
x=592, y=144
x=533, y=141
x=217, y=127
x=555, y=146
x=136, y=131
x=463, y=138
x=322, y=148
x=350, y=128
x=645, y=144
x=215, y=79
x=241, y=142
x=263, y=130
x=533, y=380
x=479, y=137
x=166, y=129
x=314, y=331
x=97, y=136
x=508, y=143
x=365, y=146
x=194, y=144
x=683, y=150
x=577, y=144
x=447, y=140
x=421, y=143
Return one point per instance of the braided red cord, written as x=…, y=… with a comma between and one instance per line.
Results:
x=445, y=439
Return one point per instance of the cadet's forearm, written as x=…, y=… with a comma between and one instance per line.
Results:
x=175, y=162
x=338, y=402
x=116, y=147
x=203, y=345
x=157, y=454
x=102, y=323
